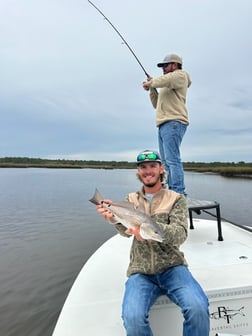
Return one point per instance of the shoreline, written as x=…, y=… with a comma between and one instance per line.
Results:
x=225, y=170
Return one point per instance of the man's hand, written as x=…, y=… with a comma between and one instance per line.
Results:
x=146, y=85
x=105, y=212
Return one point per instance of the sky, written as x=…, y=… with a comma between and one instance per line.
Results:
x=70, y=89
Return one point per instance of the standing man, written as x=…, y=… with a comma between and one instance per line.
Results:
x=159, y=268
x=171, y=116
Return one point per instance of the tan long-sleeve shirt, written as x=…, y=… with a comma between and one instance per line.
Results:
x=170, y=101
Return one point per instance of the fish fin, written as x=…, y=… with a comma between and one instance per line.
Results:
x=97, y=198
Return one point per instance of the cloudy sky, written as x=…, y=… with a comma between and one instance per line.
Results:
x=70, y=89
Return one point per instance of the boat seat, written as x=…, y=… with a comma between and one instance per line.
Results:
x=198, y=205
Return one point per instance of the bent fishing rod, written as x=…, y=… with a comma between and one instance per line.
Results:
x=124, y=41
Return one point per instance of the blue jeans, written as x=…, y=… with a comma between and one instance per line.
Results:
x=141, y=292
x=170, y=136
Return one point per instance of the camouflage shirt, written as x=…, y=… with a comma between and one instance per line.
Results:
x=169, y=210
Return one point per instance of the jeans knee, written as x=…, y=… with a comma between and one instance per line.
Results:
x=134, y=320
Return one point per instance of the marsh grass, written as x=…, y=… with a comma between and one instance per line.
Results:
x=228, y=169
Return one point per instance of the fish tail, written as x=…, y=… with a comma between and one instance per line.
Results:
x=97, y=198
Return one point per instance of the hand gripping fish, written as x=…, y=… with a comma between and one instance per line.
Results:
x=131, y=217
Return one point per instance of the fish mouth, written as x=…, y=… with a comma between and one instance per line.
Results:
x=151, y=236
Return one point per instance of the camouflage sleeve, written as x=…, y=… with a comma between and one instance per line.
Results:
x=176, y=232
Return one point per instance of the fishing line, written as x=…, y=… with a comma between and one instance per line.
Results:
x=124, y=41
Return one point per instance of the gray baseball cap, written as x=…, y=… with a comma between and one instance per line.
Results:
x=171, y=58
x=148, y=155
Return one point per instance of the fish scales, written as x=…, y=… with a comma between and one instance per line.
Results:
x=130, y=217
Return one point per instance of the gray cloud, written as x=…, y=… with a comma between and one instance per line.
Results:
x=70, y=88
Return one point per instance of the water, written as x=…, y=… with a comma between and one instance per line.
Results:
x=48, y=230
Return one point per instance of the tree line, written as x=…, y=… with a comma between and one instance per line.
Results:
x=233, y=169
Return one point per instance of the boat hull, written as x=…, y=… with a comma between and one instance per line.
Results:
x=223, y=268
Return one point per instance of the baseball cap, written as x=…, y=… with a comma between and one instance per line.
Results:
x=148, y=156
x=171, y=58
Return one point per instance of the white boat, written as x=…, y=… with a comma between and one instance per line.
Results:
x=223, y=268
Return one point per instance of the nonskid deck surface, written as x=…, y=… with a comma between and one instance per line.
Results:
x=223, y=268
x=219, y=264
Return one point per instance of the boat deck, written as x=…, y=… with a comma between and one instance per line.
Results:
x=223, y=268
x=219, y=264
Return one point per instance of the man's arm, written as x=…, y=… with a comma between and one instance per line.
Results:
x=176, y=231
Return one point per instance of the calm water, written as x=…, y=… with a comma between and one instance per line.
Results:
x=48, y=230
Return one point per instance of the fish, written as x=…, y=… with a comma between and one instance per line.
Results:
x=131, y=216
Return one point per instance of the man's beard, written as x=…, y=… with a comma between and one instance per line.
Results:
x=150, y=184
